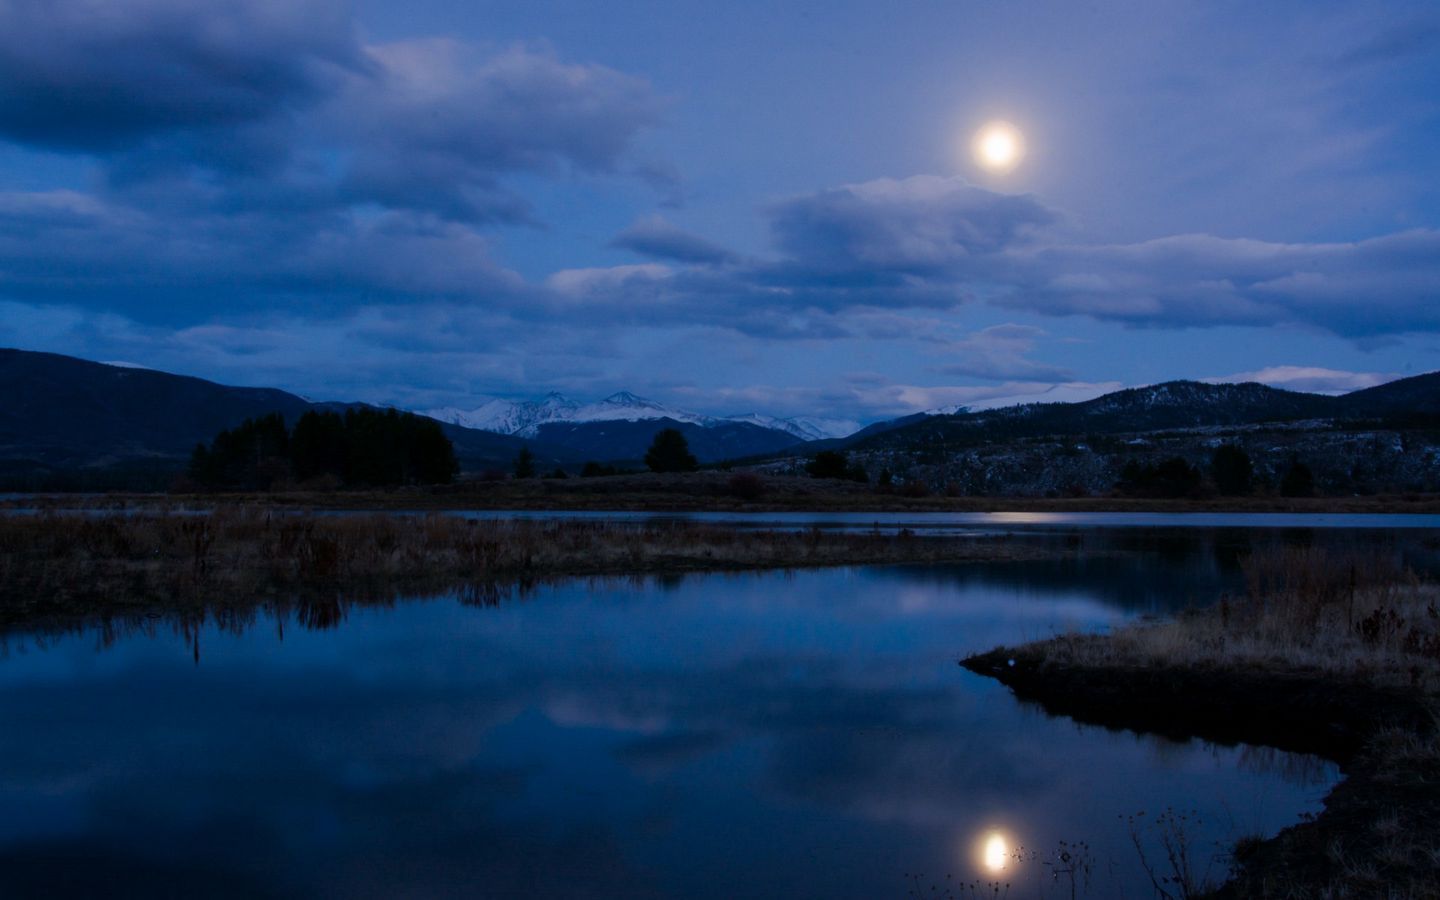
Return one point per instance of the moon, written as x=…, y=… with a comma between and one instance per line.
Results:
x=998, y=147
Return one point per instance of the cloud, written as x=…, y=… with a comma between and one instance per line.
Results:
x=251, y=152
x=657, y=238
x=1312, y=379
x=999, y=353
x=932, y=243
x=1383, y=285
x=922, y=225
x=98, y=77
x=878, y=396
x=434, y=126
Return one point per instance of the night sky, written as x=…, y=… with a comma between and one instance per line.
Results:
x=729, y=207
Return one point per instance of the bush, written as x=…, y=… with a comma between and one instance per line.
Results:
x=1298, y=481
x=914, y=489
x=828, y=464
x=1172, y=477
x=1231, y=468
x=746, y=486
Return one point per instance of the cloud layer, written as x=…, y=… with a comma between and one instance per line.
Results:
x=259, y=190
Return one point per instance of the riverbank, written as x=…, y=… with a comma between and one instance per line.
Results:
x=57, y=567
x=1322, y=656
x=712, y=491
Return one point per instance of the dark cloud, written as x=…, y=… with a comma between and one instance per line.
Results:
x=98, y=77
x=658, y=238
x=256, y=152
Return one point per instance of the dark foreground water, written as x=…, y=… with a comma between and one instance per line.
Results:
x=716, y=736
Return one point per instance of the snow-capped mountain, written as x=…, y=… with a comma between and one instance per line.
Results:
x=508, y=416
x=524, y=418
x=806, y=428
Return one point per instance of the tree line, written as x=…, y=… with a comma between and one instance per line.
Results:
x=369, y=447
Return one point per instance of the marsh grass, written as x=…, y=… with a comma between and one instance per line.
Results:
x=1316, y=634
x=1354, y=616
x=54, y=565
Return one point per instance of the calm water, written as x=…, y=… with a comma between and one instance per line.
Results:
x=716, y=736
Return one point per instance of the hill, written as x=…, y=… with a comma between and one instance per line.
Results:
x=72, y=422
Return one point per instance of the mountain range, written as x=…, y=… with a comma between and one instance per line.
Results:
x=622, y=426
x=74, y=422
x=59, y=415
x=527, y=418
x=1160, y=407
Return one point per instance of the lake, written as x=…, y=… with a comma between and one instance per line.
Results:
x=797, y=734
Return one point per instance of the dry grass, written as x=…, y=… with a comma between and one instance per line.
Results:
x=1353, y=617
x=56, y=565
x=1316, y=635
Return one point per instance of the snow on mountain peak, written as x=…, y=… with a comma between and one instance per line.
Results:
x=525, y=417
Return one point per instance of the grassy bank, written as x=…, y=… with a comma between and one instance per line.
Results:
x=1334, y=656
x=723, y=491
x=56, y=567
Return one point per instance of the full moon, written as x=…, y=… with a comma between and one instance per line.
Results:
x=998, y=147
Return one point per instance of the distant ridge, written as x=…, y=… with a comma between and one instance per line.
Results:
x=1167, y=406
x=62, y=414
x=621, y=427
x=526, y=417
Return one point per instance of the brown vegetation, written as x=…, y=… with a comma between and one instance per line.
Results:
x=720, y=491
x=55, y=565
x=1333, y=655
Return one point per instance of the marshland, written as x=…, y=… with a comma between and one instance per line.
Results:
x=589, y=696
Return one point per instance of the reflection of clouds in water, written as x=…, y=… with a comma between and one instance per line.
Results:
x=435, y=742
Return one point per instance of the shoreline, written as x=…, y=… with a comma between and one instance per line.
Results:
x=58, y=569
x=703, y=493
x=1379, y=822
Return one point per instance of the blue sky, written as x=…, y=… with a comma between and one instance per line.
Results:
x=730, y=207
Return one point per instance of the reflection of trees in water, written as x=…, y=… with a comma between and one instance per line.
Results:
x=311, y=610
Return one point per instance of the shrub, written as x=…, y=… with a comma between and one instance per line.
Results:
x=1232, y=470
x=746, y=486
x=1298, y=481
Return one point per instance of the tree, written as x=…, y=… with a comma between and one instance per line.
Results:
x=670, y=452
x=828, y=464
x=1298, y=480
x=1232, y=470
x=251, y=456
x=366, y=446
x=524, y=463
x=318, y=446
x=1172, y=477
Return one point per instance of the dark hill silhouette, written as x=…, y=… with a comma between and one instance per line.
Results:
x=62, y=414
x=1162, y=407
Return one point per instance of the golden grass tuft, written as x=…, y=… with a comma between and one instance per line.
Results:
x=1348, y=616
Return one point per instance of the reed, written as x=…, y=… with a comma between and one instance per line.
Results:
x=1357, y=617
x=55, y=564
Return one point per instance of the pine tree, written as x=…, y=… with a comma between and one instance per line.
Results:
x=670, y=452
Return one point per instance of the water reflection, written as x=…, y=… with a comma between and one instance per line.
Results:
x=994, y=852
x=798, y=734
